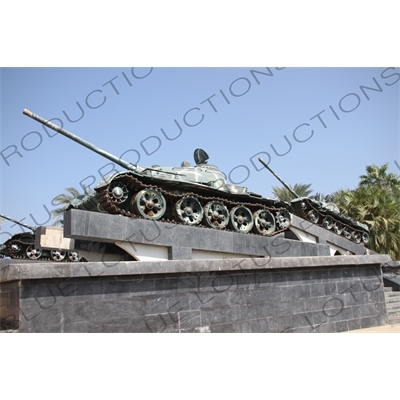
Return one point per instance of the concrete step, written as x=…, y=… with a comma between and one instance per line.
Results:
x=393, y=321
x=393, y=314
x=387, y=289
x=392, y=295
x=392, y=306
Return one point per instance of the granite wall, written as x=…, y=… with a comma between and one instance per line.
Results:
x=325, y=294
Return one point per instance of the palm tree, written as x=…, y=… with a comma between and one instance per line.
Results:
x=63, y=200
x=376, y=202
x=378, y=176
x=283, y=194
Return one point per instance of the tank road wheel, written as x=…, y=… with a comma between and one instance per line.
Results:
x=347, y=232
x=356, y=236
x=57, y=255
x=365, y=237
x=283, y=219
x=118, y=192
x=189, y=210
x=33, y=253
x=313, y=216
x=73, y=256
x=327, y=222
x=241, y=219
x=264, y=222
x=149, y=203
x=337, y=228
x=216, y=215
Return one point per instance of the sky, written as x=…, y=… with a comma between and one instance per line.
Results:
x=321, y=126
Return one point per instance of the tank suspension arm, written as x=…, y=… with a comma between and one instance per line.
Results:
x=81, y=141
x=279, y=179
x=32, y=228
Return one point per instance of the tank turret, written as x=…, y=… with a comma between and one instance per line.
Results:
x=196, y=195
x=323, y=212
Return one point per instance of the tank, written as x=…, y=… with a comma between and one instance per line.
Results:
x=22, y=246
x=325, y=213
x=197, y=195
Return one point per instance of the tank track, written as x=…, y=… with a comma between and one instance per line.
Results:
x=330, y=222
x=135, y=185
x=37, y=255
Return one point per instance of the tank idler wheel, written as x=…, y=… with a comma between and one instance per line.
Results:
x=118, y=192
x=241, y=219
x=57, y=255
x=283, y=219
x=149, y=203
x=313, y=216
x=356, y=236
x=327, y=222
x=365, y=237
x=15, y=248
x=338, y=228
x=189, y=210
x=216, y=215
x=264, y=222
x=347, y=232
x=73, y=256
x=33, y=253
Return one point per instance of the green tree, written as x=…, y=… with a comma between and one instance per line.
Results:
x=283, y=194
x=375, y=202
x=378, y=176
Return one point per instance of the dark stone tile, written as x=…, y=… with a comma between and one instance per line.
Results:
x=156, y=304
x=283, y=307
x=311, y=304
x=346, y=314
x=330, y=288
x=231, y=314
x=257, y=296
x=259, y=326
x=354, y=324
x=264, y=311
x=317, y=289
x=249, y=312
x=303, y=291
x=159, y=323
x=117, y=290
x=335, y=274
x=279, y=323
x=299, y=320
x=288, y=292
x=272, y=294
x=166, y=285
x=226, y=328
x=341, y=326
x=210, y=317
x=350, y=299
x=143, y=287
x=368, y=322
x=280, y=278
x=189, y=320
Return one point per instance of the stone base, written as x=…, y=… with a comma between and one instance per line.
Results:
x=288, y=294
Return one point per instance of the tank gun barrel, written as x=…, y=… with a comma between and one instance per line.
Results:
x=279, y=179
x=81, y=141
x=32, y=228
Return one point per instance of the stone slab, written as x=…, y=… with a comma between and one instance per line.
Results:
x=11, y=270
x=90, y=226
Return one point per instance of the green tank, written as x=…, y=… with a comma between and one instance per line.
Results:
x=325, y=213
x=22, y=246
x=197, y=195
